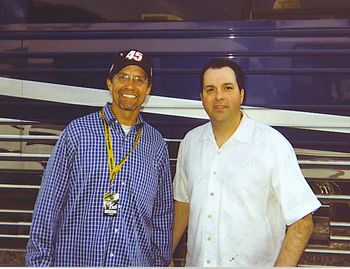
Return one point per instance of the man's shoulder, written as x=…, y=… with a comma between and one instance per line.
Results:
x=264, y=129
x=269, y=134
x=83, y=123
x=197, y=132
x=85, y=120
x=153, y=132
x=261, y=127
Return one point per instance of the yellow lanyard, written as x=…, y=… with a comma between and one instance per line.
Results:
x=114, y=169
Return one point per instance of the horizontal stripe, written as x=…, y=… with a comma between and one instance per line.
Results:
x=170, y=106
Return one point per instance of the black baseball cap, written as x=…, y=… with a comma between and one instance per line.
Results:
x=131, y=57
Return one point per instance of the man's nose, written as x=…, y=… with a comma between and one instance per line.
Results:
x=130, y=82
x=219, y=94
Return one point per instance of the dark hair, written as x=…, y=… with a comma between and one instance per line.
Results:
x=217, y=63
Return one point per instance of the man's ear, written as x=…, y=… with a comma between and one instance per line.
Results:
x=242, y=95
x=149, y=88
x=109, y=84
x=201, y=95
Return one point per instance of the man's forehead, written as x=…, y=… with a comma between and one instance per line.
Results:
x=223, y=75
x=134, y=69
x=224, y=69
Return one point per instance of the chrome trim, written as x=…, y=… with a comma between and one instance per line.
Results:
x=28, y=137
x=340, y=238
x=334, y=197
x=345, y=163
x=14, y=236
x=17, y=186
x=16, y=211
x=16, y=223
x=339, y=224
x=24, y=155
x=327, y=251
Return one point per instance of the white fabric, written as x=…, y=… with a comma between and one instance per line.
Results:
x=241, y=195
x=126, y=128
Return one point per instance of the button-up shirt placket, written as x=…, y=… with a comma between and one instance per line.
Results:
x=213, y=207
x=122, y=145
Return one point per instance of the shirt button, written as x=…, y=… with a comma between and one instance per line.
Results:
x=211, y=194
x=214, y=173
x=208, y=261
x=112, y=255
x=209, y=216
x=209, y=238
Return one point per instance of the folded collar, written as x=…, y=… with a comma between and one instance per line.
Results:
x=243, y=133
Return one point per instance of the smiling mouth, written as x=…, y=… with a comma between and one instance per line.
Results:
x=219, y=107
x=129, y=96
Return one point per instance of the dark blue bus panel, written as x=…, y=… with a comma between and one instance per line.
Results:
x=53, y=69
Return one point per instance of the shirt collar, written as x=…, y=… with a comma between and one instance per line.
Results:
x=243, y=133
x=110, y=118
x=245, y=129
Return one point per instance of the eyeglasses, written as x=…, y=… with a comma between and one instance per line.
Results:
x=124, y=78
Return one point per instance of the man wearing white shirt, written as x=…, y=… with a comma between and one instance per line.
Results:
x=238, y=185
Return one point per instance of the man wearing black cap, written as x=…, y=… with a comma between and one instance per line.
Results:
x=106, y=196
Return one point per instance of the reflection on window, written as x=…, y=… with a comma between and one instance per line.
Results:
x=286, y=4
x=300, y=9
x=92, y=11
x=102, y=11
x=160, y=17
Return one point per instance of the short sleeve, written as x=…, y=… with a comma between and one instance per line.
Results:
x=181, y=179
x=295, y=196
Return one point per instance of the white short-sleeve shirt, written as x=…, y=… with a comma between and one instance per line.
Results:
x=241, y=195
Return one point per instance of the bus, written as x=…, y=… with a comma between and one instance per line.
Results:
x=55, y=56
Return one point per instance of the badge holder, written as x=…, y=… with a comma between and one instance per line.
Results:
x=110, y=204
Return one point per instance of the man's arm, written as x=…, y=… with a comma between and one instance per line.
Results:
x=182, y=211
x=49, y=202
x=163, y=213
x=295, y=241
x=181, y=206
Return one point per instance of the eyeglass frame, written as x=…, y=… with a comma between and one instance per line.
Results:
x=125, y=78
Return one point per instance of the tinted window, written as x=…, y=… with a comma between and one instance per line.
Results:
x=102, y=11
x=92, y=11
x=300, y=9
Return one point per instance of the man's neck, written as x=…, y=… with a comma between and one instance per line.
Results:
x=224, y=130
x=125, y=117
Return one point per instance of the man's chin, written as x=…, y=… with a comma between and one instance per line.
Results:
x=219, y=119
x=129, y=108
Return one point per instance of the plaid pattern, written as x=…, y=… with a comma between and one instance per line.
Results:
x=69, y=228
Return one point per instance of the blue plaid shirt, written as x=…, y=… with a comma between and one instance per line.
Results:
x=69, y=228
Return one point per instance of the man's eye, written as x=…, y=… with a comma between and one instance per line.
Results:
x=139, y=79
x=123, y=77
x=209, y=90
x=229, y=88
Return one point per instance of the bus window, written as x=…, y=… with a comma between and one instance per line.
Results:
x=300, y=9
x=104, y=11
x=92, y=11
